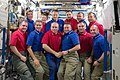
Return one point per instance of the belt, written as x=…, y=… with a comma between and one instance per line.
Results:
x=38, y=53
x=23, y=51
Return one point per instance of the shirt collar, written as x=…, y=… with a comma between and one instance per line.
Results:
x=43, y=24
x=70, y=19
x=98, y=35
x=71, y=31
x=37, y=32
x=30, y=20
x=84, y=33
x=53, y=33
x=54, y=20
x=81, y=20
x=21, y=32
x=91, y=23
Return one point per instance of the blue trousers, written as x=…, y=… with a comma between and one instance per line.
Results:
x=53, y=63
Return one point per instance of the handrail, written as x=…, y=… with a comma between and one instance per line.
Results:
x=3, y=47
x=107, y=45
x=107, y=71
x=105, y=52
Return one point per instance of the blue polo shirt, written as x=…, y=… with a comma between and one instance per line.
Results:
x=85, y=24
x=34, y=40
x=30, y=26
x=60, y=22
x=70, y=39
x=98, y=46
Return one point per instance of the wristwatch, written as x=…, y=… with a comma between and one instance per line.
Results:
x=98, y=61
x=68, y=51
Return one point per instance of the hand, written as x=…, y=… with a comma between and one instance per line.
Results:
x=36, y=62
x=89, y=60
x=95, y=63
x=65, y=52
x=23, y=58
x=58, y=55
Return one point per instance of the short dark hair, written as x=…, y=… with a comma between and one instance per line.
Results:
x=45, y=14
x=54, y=10
x=93, y=14
x=81, y=13
x=67, y=23
x=69, y=11
x=82, y=22
x=37, y=21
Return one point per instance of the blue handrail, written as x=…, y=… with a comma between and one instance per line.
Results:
x=3, y=47
x=105, y=52
x=110, y=56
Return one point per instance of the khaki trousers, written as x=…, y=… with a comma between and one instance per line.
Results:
x=97, y=72
x=21, y=67
x=86, y=68
x=68, y=65
x=41, y=72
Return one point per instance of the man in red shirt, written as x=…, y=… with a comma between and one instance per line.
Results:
x=51, y=43
x=18, y=47
x=92, y=19
x=71, y=20
x=85, y=51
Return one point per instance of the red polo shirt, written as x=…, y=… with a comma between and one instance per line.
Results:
x=43, y=27
x=52, y=40
x=73, y=23
x=18, y=39
x=85, y=42
x=100, y=26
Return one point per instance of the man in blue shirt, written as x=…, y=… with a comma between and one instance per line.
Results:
x=55, y=19
x=98, y=53
x=34, y=48
x=80, y=18
x=70, y=45
x=29, y=15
